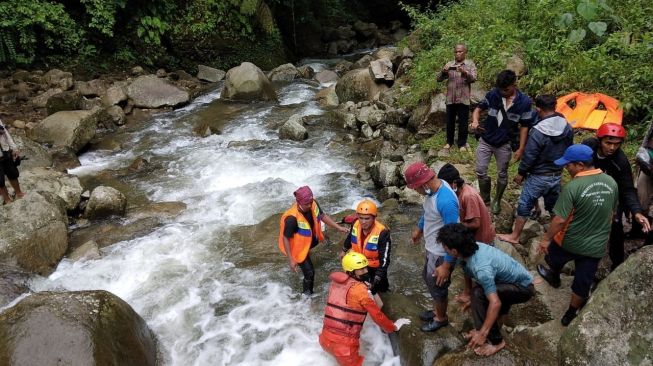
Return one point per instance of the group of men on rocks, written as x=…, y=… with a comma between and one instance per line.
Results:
x=456, y=226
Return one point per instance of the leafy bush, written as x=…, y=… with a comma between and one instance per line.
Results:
x=613, y=55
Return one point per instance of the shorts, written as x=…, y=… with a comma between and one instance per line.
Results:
x=8, y=168
x=585, y=268
x=431, y=262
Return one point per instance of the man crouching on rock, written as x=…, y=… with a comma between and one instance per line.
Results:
x=500, y=282
x=8, y=160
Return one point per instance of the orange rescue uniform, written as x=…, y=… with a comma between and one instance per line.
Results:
x=301, y=241
x=347, y=307
x=369, y=246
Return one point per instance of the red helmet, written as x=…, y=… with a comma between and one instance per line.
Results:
x=612, y=130
x=417, y=174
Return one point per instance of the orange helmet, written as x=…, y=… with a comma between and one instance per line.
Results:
x=612, y=130
x=366, y=207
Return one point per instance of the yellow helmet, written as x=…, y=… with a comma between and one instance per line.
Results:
x=353, y=261
x=366, y=207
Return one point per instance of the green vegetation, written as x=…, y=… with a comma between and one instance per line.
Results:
x=568, y=45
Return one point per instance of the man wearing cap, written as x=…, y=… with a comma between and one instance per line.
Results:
x=472, y=211
x=440, y=208
x=609, y=157
x=580, y=228
x=547, y=141
x=300, y=230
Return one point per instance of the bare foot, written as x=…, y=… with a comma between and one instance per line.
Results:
x=447, y=147
x=508, y=238
x=462, y=298
x=20, y=195
x=489, y=349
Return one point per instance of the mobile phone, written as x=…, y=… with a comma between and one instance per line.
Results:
x=453, y=68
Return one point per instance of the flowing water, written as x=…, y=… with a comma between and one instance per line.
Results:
x=212, y=294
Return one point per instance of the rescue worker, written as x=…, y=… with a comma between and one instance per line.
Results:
x=300, y=230
x=610, y=158
x=372, y=239
x=348, y=304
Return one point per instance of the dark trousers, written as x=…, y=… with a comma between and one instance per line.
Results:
x=616, y=242
x=462, y=112
x=381, y=286
x=509, y=294
x=309, y=275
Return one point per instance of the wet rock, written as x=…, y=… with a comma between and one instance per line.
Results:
x=247, y=82
x=65, y=186
x=159, y=210
x=105, y=202
x=115, y=115
x=327, y=97
x=56, y=78
x=41, y=100
x=363, y=62
x=138, y=164
x=428, y=119
x=293, y=129
x=93, y=88
x=385, y=173
x=115, y=94
x=64, y=101
x=13, y=283
x=73, y=129
x=615, y=326
x=63, y=158
x=358, y=85
x=38, y=156
x=75, y=328
x=326, y=76
x=86, y=251
x=305, y=72
x=210, y=74
x=286, y=72
x=151, y=92
x=381, y=70
x=34, y=232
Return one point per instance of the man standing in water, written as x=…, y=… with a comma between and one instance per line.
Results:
x=372, y=239
x=440, y=208
x=348, y=304
x=300, y=230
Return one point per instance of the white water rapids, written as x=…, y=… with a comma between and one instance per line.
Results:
x=183, y=278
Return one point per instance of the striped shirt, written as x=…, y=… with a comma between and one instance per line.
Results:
x=459, y=86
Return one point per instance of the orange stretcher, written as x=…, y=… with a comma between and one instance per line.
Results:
x=589, y=111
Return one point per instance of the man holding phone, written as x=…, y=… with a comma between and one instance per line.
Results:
x=460, y=74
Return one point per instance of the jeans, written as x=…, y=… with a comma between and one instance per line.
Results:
x=462, y=112
x=509, y=294
x=502, y=154
x=537, y=186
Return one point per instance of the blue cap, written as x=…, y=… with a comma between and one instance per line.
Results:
x=574, y=154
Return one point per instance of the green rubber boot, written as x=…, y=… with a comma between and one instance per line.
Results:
x=496, y=204
x=485, y=186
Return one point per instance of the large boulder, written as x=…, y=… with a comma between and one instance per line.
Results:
x=38, y=156
x=391, y=53
x=93, y=88
x=34, y=233
x=73, y=129
x=615, y=326
x=41, y=100
x=70, y=100
x=362, y=62
x=104, y=202
x=285, y=72
x=357, y=86
x=210, y=74
x=385, y=173
x=247, y=82
x=65, y=186
x=381, y=70
x=293, y=129
x=75, y=328
x=115, y=94
x=56, y=78
x=149, y=91
x=326, y=76
x=429, y=118
x=327, y=97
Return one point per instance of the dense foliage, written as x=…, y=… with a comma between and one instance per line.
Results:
x=568, y=45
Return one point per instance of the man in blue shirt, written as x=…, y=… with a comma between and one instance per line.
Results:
x=501, y=282
x=440, y=208
x=504, y=130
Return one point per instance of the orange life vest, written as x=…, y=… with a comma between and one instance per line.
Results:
x=370, y=246
x=301, y=241
x=339, y=317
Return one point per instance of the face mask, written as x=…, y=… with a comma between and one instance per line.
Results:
x=427, y=190
x=364, y=277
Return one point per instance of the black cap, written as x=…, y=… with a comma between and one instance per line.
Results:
x=448, y=173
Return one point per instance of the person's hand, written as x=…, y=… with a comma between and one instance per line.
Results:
x=476, y=338
x=442, y=273
x=416, y=235
x=646, y=226
x=445, y=70
x=518, y=179
x=342, y=229
x=400, y=323
x=292, y=264
x=376, y=281
x=15, y=154
x=462, y=70
x=544, y=246
x=518, y=154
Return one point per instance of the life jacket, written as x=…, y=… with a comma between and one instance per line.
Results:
x=339, y=317
x=301, y=241
x=370, y=246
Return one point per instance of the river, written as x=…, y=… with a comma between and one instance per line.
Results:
x=213, y=294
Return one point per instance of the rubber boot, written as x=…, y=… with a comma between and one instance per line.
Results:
x=496, y=204
x=485, y=186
